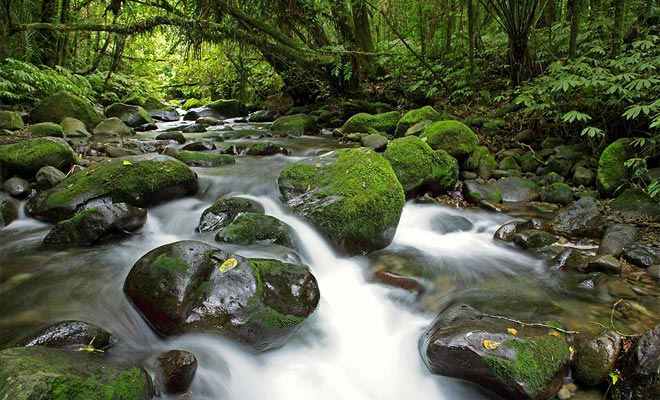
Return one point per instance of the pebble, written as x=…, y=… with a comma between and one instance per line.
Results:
x=564, y=394
x=654, y=272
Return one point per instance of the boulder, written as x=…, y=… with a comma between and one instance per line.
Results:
x=251, y=228
x=11, y=120
x=570, y=260
x=27, y=157
x=375, y=142
x=96, y=223
x=474, y=191
x=262, y=116
x=509, y=163
x=73, y=127
x=533, y=239
x=482, y=162
x=639, y=368
x=351, y=195
x=164, y=115
x=507, y=232
x=194, y=128
x=583, y=176
x=8, y=210
x=419, y=168
x=194, y=115
x=558, y=193
x=116, y=151
x=43, y=373
x=44, y=129
x=634, y=203
x=137, y=180
x=641, y=255
x=412, y=117
x=612, y=174
x=224, y=211
x=582, y=219
x=454, y=137
x=112, y=127
x=360, y=123
x=208, y=121
x=131, y=115
x=515, y=189
x=17, y=187
x=529, y=162
x=616, y=238
x=190, y=286
x=48, y=176
x=56, y=107
x=199, y=145
x=594, y=356
x=200, y=159
x=228, y=108
x=176, y=369
x=175, y=135
x=297, y=124
x=265, y=149
x=72, y=336
x=515, y=361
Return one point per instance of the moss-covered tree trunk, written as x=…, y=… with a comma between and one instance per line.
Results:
x=575, y=13
x=617, y=27
x=48, y=39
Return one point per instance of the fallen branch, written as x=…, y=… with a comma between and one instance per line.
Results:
x=531, y=324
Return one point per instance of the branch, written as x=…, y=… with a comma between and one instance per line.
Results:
x=530, y=324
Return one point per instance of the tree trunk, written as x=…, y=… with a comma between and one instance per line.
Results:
x=471, y=25
x=363, y=63
x=575, y=11
x=517, y=58
x=48, y=39
x=617, y=28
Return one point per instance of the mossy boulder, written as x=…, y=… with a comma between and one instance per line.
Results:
x=262, y=116
x=43, y=373
x=612, y=174
x=296, y=124
x=10, y=120
x=515, y=189
x=595, y=355
x=96, y=223
x=454, y=137
x=251, y=228
x=131, y=115
x=482, y=162
x=74, y=127
x=137, y=180
x=112, y=127
x=190, y=286
x=352, y=195
x=634, y=203
x=418, y=167
x=224, y=211
x=44, y=129
x=61, y=105
x=192, y=103
x=27, y=157
x=228, y=108
x=200, y=159
x=360, y=123
x=475, y=191
x=467, y=343
x=412, y=117
x=70, y=335
x=558, y=192
x=265, y=149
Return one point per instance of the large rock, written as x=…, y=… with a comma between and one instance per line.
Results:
x=516, y=189
x=475, y=191
x=97, y=223
x=71, y=335
x=47, y=177
x=61, y=105
x=412, y=117
x=137, y=180
x=132, y=116
x=617, y=238
x=297, y=124
x=454, y=137
x=595, y=355
x=45, y=129
x=190, y=286
x=640, y=379
x=360, y=123
x=200, y=159
x=10, y=120
x=177, y=369
x=262, y=116
x=74, y=127
x=111, y=127
x=194, y=115
x=582, y=219
x=228, y=108
x=224, y=211
x=351, y=195
x=8, y=210
x=29, y=373
x=164, y=115
x=418, y=167
x=634, y=203
x=612, y=174
x=27, y=157
x=251, y=228
x=523, y=363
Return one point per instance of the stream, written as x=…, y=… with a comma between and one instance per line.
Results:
x=362, y=341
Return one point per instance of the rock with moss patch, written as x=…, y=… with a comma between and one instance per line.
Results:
x=526, y=364
x=617, y=237
x=296, y=124
x=612, y=174
x=176, y=370
x=131, y=115
x=190, y=286
x=533, y=239
x=454, y=137
x=482, y=162
x=70, y=335
x=174, y=135
x=360, y=123
x=474, y=191
x=352, y=195
x=262, y=116
x=73, y=127
x=634, y=203
x=112, y=127
x=224, y=211
x=27, y=157
x=251, y=228
x=412, y=117
x=228, y=108
x=38, y=372
x=558, y=192
x=137, y=180
x=96, y=223
x=8, y=210
x=61, y=105
x=45, y=129
x=420, y=168
x=202, y=159
x=375, y=142
x=10, y=120
x=595, y=355
x=515, y=189
x=191, y=103
x=194, y=115
x=581, y=219
x=265, y=149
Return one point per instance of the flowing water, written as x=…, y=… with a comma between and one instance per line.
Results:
x=360, y=344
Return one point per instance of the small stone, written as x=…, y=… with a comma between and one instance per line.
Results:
x=49, y=176
x=564, y=394
x=17, y=187
x=605, y=263
x=533, y=239
x=620, y=289
x=654, y=272
x=541, y=206
x=641, y=256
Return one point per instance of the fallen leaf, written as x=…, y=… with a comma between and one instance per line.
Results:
x=512, y=331
x=490, y=344
x=554, y=333
x=126, y=162
x=229, y=264
x=571, y=349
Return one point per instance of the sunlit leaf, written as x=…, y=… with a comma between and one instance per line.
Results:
x=490, y=344
x=554, y=333
x=512, y=331
x=126, y=162
x=229, y=264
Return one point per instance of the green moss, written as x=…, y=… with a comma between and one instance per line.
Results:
x=197, y=158
x=454, y=137
x=494, y=125
x=414, y=116
x=297, y=124
x=27, y=157
x=10, y=120
x=167, y=263
x=612, y=174
x=192, y=103
x=128, y=385
x=250, y=228
x=536, y=363
x=45, y=129
x=360, y=123
x=61, y=105
x=271, y=319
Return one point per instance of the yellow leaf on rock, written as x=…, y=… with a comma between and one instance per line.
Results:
x=126, y=162
x=512, y=331
x=554, y=333
x=229, y=264
x=490, y=344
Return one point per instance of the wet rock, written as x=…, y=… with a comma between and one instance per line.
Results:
x=475, y=191
x=297, y=124
x=516, y=189
x=412, y=117
x=17, y=187
x=492, y=206
x=607, y=264
x=131, y=115
x=25, y=158
x=533, y=239
x=262, y=116
x=177, y=370
x=74, y=128
x=194, y=115
x=559, y=193
x=174, y=135
x=11, y=120
x=634, y=203
x=541, y=206
x=570, y=260
x=38, y=372
x=228, y=108
x=375, y=142
x=616, y=238
x=654, y=272
x=620, y=289
x=406, y=283
x=137, y=180
x=203, y=159
x=8, y=210
x=251, y=228
x=146, y=127
x=48, y=176
x=116, y=151
x=71, y=335
x=46, y=129
x=208, y=121
x=639, y=369
x=582, y=219
x=454, y=137
x=352, y=195
x=56, y=107
x=199, y=145
x=112, y=127
x=529, y=162
x=225, y=211
x=509, y=163
x=96, y=223
x=583, y=176
x=362, y=122
x=464, y=343
x=190, y=286
x=164, y=115
x=194, y=128
x=265, y=149
x=594, y=356
x=482, y=162
x=641, y=256
x=444, y=224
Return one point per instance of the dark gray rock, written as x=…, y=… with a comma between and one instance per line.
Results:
x=507, y=231
x=48, y=176
x=112, y=127
x=174, y=135
x=375, y=142
x=475, y=191
x=8, y=210
x=131, y=115
x=194, y=128
x=199, y=145
x=177, y=370
x=641, y=256
x=17, y=187
x=584, y=176
x=582, y=219
x=250, y=228
x=262, y=116
x=594, y=356
x=533, y=239
x=224, y=211
x=194, y=115
x=639, y=368
x=559, y=193
x=616, y=238
x=164, y=115
x=570, y=260
x=634, y=203
x=607, y=264
x=265, y=149
x=71, y=335
x=516, y=189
